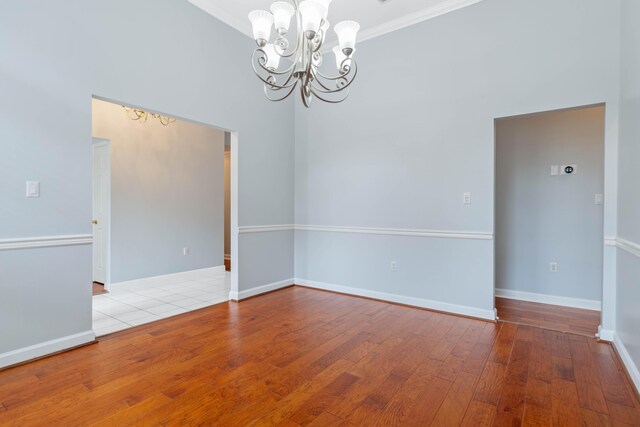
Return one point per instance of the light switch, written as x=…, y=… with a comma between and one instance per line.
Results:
x=554, y=170
x=599, y=199
x=33, y=189
x=466, y=198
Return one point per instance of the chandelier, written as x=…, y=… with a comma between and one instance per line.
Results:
x=305, y=60
x=142, y=116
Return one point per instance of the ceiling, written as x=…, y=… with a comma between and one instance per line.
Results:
x=375, y=17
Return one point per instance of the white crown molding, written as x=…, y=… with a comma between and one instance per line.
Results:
x=474, y=235
x=401, y=299
x=48, y=347
x=396, y=24
x=414, y=18
x=585, y=304
x=214, y=9
x=45, y=241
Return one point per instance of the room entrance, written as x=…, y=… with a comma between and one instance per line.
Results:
x=549, y=219
x=162, y=214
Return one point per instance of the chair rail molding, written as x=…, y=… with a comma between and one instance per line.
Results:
x=628, y=246
x=473, y=235
x=45, y=241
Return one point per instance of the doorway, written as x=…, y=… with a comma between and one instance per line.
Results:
x=159, y=215
x=549, y=218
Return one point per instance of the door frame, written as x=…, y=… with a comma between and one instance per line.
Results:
x=235, y=154
x=96, y=143
x=609, y=153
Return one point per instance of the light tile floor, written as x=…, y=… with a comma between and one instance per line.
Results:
x=142, y=301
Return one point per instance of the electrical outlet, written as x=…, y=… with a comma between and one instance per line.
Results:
x=394, y=266
x=553, y=267
x=185, y=251
x=466, y=198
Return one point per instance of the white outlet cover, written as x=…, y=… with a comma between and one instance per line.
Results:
x=563, y=168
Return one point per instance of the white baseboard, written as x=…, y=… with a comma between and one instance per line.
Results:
x=49, y=347
x=632, y=369
x=239, y=296
x=180, y=276
x=586, y=304
x=605, y=334
x=401, y=299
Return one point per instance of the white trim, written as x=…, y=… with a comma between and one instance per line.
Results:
x=610, y=241
x=265, y=228
x=48, y=347
x=239, y=296
x=182, y=276
x=45, y=241
x=627, y=246
x=439, y=9
x=605, y=334
x=586, y=304
x=632, y=369
x=235, y=250
x=473, y=235
x=401, y=299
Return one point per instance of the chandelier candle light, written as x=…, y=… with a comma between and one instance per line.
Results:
x=306, y=58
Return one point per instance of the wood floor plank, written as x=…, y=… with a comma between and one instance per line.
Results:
x=305, y=357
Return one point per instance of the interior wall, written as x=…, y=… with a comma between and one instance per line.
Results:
x=161, y=55
x=167, y=194
x=628, y=253
x=541, y=218
x=417, y=132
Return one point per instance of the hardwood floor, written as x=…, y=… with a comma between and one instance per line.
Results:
x=98, y=289
x=306, y=357
x=564, y=319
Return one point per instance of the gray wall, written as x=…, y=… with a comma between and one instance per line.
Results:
x=55, y=56
x=418, y=131
x=167, y=193
x=542, y=218
x=628, y=292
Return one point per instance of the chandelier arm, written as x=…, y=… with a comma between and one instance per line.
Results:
x=273, y=84
x=330, y=101
x=325, y=89
x=353, y=68
x=262, y=59
x=267, y=91
x=299, y=36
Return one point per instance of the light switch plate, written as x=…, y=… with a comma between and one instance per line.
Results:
x=33, y=189
x=554, y=170
x=599, y=199
x=466, y=198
